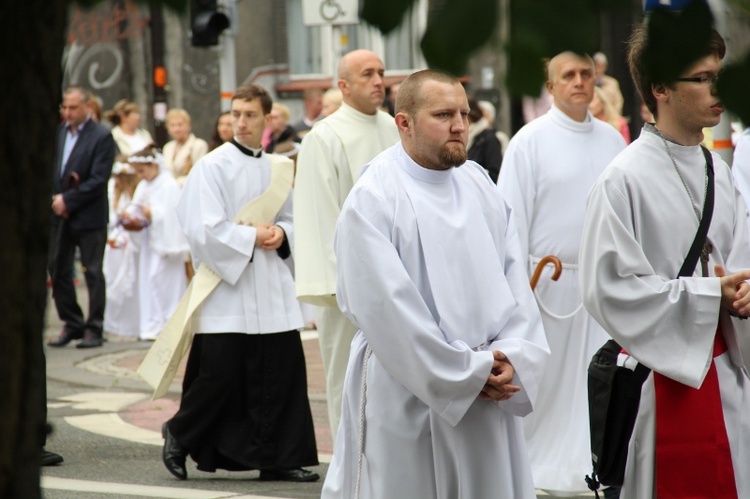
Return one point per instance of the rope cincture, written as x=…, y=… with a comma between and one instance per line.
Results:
x=362, y=399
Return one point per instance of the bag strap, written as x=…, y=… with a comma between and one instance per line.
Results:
x=688, y=267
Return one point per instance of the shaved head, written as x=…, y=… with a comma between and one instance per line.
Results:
x=410, y=95
x=361, y=80
x=353, y=60
x=553, y=67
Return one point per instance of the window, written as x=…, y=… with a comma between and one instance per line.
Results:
x=312, y=49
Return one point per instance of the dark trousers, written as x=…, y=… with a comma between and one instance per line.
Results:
x=62, y=251
x=244, y=403
x=612, y=492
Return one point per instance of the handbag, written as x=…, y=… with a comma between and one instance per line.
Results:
x=614, y=392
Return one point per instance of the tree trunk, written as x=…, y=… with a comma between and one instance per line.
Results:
x=32, y=38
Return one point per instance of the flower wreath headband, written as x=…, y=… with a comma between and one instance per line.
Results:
x=156, y=158
x=143, y=159
x=122, y=168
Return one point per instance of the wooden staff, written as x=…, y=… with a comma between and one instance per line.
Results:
x=543, y=263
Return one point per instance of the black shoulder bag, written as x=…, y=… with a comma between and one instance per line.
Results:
x=615, y=392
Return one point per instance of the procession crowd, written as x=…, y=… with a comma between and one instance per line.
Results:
x=403, y=226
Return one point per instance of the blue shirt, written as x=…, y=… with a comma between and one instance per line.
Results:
x=71, y=137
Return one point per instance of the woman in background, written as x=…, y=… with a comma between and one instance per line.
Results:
x=281, y=130
x=483, y=146
x=185, y=149
x=128, y=134
x=332, y=99
x=603, y=109
x=222, y=130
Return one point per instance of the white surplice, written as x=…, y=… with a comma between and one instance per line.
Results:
x=550, y=165
x=161, y=267
x=256, y=294
x=431, y=273
x=638, y=230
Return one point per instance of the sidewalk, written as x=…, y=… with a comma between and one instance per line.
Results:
x=114, y=365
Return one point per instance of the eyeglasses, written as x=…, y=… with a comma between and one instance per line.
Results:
x=704, y=79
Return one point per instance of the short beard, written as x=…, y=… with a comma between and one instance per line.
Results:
x=452, y=156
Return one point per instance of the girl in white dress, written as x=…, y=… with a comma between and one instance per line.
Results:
x=161, y=272
x=121, y=256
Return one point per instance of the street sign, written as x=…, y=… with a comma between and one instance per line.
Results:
x=321, y=12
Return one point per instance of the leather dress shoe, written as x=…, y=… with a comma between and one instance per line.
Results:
x=66, y=336
x=290, y=475
x=173, y=454
x=90, y=340
x=50, y=458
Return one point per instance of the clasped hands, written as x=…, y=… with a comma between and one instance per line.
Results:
x=735, y=291
x=498, y=387
x=269, y=237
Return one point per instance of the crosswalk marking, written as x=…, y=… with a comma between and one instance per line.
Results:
x=112, y=425
x=103, y=401
x=54, y=483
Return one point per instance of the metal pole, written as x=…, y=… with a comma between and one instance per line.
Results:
x=227, y=62
x=722, y=133
x=159, y=74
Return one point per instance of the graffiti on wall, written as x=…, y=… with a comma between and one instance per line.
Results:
x=96, y=53
x=108, y=50
x=114, y=21
x=97, y=67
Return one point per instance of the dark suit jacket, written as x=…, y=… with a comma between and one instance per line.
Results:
x=91, y=158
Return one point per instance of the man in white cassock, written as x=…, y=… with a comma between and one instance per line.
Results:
x=450, y=346
x=550, y=165
x=330, y=159
x=692, y=433
x=244, y=400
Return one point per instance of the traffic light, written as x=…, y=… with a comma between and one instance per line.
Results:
x=206, y=23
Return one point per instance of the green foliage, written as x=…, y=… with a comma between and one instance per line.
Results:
x=742, y=4
x=677, y=40
x=385, y=15
x=733, y=89
x=543, y=28
x=456, y=31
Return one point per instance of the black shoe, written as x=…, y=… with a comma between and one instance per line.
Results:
x=90, y=340
x=66, y=336
x=50, y=458
x=173, y=454
x=292, y=475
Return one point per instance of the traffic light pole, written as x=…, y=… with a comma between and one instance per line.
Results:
x=227, y=63
x=722, y=133
x=159, y=76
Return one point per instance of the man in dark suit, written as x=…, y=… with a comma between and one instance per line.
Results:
x=84, y=156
